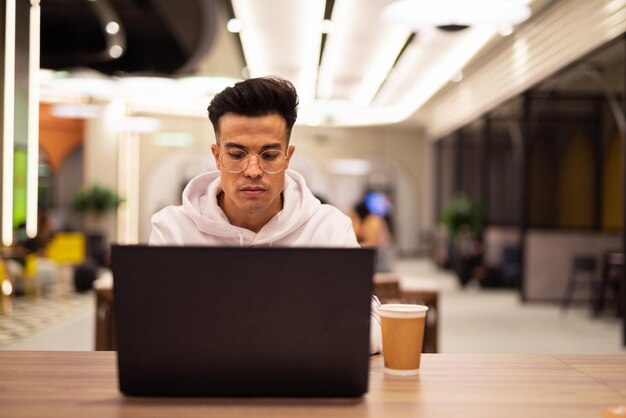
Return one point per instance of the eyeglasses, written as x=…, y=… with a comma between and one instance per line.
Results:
x=235, y=160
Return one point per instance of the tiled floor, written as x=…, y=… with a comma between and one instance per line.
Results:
x=38, y=322
x=472, y=320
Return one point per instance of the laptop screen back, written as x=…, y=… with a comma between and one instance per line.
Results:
x=242, y=321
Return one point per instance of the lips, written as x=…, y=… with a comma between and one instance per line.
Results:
x=252, y=191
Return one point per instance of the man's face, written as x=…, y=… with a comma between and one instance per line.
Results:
x=251, y=195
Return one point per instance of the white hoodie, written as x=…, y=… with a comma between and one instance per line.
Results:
x=303, y=221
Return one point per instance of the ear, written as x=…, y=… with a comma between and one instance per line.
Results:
x=290, y=152
x=216, y=154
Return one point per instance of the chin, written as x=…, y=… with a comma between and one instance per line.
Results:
x=253, y=207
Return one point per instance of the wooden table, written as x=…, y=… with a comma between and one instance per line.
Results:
x=84, y=384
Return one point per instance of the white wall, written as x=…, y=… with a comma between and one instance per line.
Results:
x=101, y=154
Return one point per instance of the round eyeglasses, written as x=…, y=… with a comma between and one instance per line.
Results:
x=235, y=160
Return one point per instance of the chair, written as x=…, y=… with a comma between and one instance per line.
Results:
x=511, y=265
x=610, y=283
x=105, y=320
x=582, y=273
x=388, y=290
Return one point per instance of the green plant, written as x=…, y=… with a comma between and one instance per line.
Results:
x=463, y=213
x=97, y=200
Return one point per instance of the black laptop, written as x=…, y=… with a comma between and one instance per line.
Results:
x=233, y=321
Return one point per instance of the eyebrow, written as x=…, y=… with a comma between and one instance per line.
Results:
x=231, y=144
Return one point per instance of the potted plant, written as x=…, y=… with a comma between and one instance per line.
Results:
x=96, y=200
x=463, y=220
x=94, y=204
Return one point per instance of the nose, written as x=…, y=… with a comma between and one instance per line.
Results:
x=253, y=169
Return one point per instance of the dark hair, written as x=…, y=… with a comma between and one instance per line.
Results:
x=362, y=211
x=256, y=97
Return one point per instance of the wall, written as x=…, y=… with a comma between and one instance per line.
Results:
x=100, y=154
x=548, y=259
x=58, y=137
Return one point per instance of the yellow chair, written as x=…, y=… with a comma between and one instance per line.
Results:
x=67, y=248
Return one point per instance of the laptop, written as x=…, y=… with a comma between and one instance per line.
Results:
x=241, y=321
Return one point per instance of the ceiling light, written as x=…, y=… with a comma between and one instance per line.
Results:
x=350, y=68
x=295, y=27
x=234, y=25
x=327, y=26
x=505, y=29
x=112, y=27
x=144, y=84
x=457, y=78
x=433, y=59
x=418, y=14
x=205, y=86
x=81, y=82
x=116, y=51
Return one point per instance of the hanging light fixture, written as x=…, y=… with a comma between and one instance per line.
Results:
x=454, y=15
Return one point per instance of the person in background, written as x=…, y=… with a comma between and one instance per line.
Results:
x=253, y=199
x=29, y=256
x=37, y=244
x=373, y=230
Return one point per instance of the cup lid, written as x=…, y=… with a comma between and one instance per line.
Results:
x=402, y=310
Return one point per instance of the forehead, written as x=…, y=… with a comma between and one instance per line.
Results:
x=252, y=130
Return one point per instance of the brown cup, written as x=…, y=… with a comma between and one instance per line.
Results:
x=403, y=335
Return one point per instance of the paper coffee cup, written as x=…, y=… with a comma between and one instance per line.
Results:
x=403, y=336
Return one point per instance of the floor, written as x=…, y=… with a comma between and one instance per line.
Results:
x=472, y=320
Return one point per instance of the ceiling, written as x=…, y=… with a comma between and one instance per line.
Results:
x=363, y=72
x=127, y=36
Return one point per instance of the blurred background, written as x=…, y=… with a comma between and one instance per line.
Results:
x=479, y=145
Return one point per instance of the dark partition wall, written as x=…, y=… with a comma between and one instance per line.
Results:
x=504, y=168
x=552, y=158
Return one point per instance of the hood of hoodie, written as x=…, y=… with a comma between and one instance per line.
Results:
x=200, y=204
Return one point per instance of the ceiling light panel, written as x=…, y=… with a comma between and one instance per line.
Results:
x=282, y=38
x=359, y=53
x=428, y=64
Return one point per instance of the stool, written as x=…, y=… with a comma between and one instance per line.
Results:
x=583, y=272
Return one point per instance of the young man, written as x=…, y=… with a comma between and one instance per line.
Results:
x=253, y=200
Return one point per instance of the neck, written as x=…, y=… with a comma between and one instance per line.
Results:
x=253, y=221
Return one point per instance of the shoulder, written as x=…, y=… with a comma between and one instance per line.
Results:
x=331, y=213
x=168, y=213
x=170, y=217
x=335, y=225
x=167, y=226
